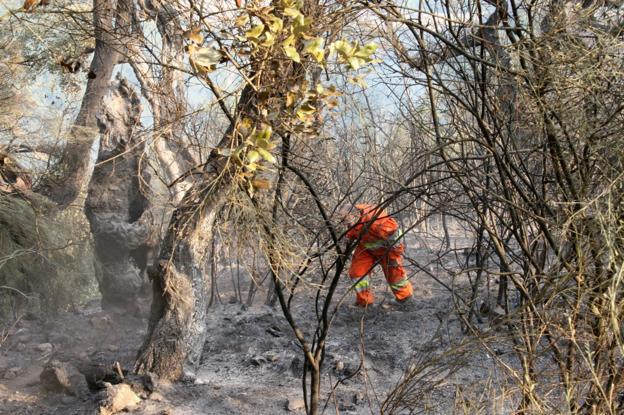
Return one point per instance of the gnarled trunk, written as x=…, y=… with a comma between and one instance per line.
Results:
x=118, y=211
x=74, y=168
x=177, y=328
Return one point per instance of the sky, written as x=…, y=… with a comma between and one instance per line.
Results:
x=54, y=103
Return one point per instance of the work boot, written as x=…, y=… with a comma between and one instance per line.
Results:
x=362, y=305
x=407, y=304
x=355, y=310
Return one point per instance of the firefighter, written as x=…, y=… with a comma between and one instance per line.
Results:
x=377, y=235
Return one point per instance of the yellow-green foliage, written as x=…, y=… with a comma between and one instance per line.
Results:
x=44, y=253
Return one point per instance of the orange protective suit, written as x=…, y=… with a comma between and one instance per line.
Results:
x=377, y=234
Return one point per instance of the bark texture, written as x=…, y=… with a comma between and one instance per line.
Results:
x=118, y=211
x=177, y=329
x=74, y=167
x=163, y=87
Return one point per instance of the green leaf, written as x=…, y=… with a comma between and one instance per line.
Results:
x=289, y=41
x=315, y=49
x=276, y=25
x=359, y=81
x=297, y=4
x=305, y=111
x=366, y=51
x=292, y=12
x=253, y=156
x=267, y=156
x=255, y=32
x=343, y=48
x=354, y=55
x=269, y=39
x=300, y=25
x=355, y=63
x=292, y=53
x=262, y=136
x=306, y=108
x=266, y=132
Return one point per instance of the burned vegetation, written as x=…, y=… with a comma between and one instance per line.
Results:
x=193, y=195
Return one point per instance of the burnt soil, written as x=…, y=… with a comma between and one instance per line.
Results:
x=252, y=363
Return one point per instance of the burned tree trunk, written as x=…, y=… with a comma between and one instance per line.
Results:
x=118, y=211
x=177, y=327
x=177, y=330
x=163, y=86
x=74, y=166
x=125, y=225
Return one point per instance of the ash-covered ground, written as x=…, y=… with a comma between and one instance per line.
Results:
x=252, y=363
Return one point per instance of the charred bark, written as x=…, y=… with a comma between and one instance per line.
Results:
x=118, y=211
x=177, y=327
x=177, y=330
x=74, y=167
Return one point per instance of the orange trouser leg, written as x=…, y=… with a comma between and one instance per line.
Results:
x=392, y=265
x=361, y=265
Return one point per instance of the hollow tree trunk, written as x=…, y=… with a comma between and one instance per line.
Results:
x=118, y=211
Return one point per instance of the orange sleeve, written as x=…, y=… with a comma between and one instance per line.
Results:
x=384, y=227
x=354, y=232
